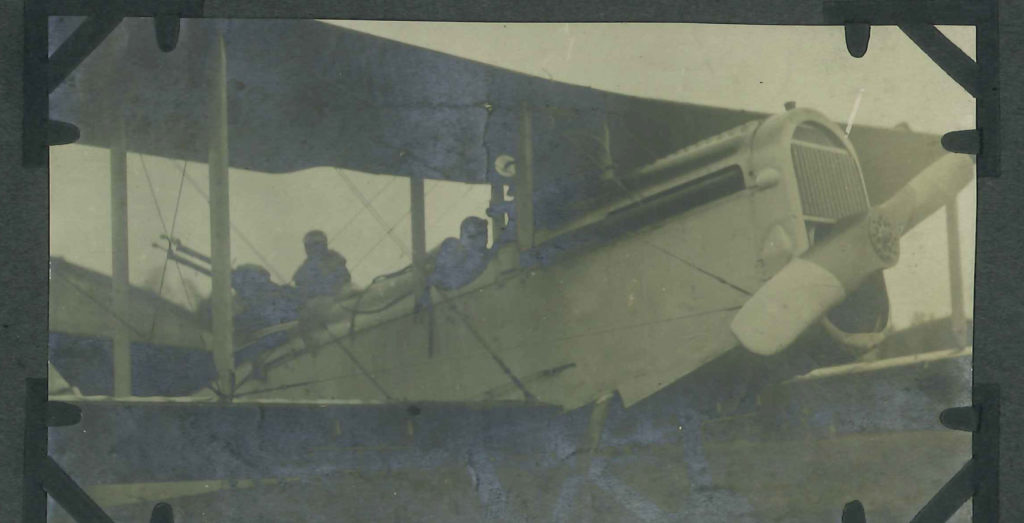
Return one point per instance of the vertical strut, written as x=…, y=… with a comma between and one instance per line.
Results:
x=119, y=261
x=418, y=212
x=956, y=284
x=524, y=181
x=220, y=224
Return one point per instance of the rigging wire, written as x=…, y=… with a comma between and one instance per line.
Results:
x=163, y=225
x=99, y=302
x=348, y=375
x=169, y=234
x=152, y=192
x=358, y=213
x=363, y=370
x=241, y=235
x=174, y=223
x=160, y=303
x=373, y=212
x=700, y=269
x=485, y=355
x=372, y=200
x=439, y=217
x=487, y=348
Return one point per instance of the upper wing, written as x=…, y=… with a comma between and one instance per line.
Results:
x=303, y=94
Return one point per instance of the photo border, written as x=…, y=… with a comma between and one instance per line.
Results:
x=999, y=314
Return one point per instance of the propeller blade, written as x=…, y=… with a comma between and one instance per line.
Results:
x=807, y=287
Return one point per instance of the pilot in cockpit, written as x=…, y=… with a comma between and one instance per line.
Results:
x=324, y=272
x=462, y=260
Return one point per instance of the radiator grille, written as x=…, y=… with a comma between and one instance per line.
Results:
x=830, y=184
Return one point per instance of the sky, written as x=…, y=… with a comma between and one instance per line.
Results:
x=747, y=67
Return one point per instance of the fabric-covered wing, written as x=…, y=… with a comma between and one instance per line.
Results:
x=303, y=94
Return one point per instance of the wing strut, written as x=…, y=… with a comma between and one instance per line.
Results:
x=119, y=261
x=956, y=283
x=418, y=214
x=524, y=182
x=220, y=225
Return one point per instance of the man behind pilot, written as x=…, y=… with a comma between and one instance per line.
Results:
x=460, y=261
x=324, y=272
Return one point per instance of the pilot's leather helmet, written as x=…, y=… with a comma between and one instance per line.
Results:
x=315, y=242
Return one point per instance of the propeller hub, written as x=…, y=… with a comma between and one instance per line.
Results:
x=884, y=236
x=824, y=276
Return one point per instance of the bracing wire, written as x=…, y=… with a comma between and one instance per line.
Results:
x=174, y=222
x=163, y=226
x=245, y=239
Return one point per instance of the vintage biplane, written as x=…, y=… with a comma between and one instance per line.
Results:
x=650, y=238
x=646, y=239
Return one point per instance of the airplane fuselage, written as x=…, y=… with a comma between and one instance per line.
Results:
x=627, y=299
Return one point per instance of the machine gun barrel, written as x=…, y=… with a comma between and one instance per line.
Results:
x=188, y=263
x=171, y=255
x=180, y=247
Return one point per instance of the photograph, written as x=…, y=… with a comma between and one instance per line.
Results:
x=326, y=270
